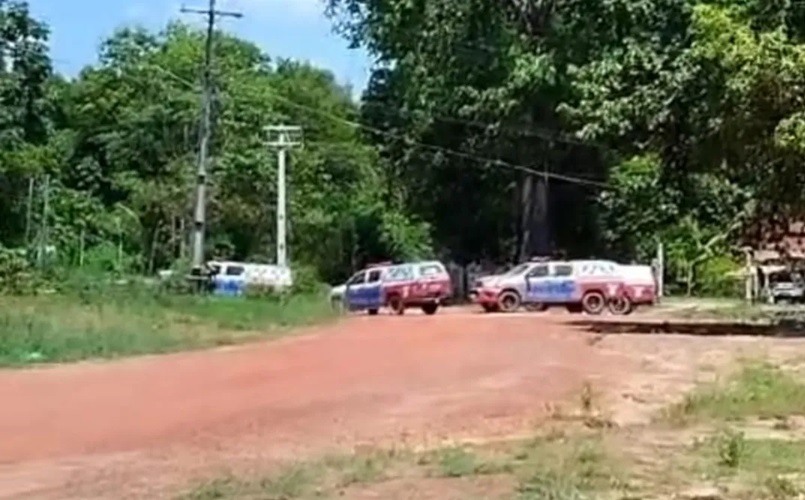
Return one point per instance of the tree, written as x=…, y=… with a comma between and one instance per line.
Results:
x=119, y=145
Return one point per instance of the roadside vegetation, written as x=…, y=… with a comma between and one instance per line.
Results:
x=74, y=316
x=549, y=467
x=60, y=328
x=742, y=437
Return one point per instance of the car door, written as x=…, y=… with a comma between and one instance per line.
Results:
x=561, y=285
x=373, y=289
x=536, y=281
x=354, y=292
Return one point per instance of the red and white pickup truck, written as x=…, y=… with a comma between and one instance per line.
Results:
x=590, y=286
x=425, y=285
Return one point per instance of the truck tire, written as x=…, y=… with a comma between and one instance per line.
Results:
x=621, y=305
x=397, y=305
x=372, y=312
x=593, y=303
x=430, y=309
x=509, y=301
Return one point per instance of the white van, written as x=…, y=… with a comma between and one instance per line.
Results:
x=232, y=278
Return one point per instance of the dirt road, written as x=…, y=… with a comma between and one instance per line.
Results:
x=140, y=428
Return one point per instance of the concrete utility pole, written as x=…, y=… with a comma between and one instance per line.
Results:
x=200, y=217
x=282, y=137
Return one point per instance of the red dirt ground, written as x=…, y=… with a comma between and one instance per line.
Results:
x=141, y=428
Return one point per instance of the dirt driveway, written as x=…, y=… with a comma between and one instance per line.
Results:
x=140, y=428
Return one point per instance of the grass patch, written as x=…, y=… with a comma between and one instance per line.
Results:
x=543, y=468
x=457, y=461
x=363, y=468
x=292, y=482
x=303, y=479
x=61, y=328
x=763, y=468
x=568, y=468
x=757, y=390
x=737, y=313
x=731, y=452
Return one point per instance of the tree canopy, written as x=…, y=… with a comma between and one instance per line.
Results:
x=488, y=130
x=687, y=114
x=112, y=154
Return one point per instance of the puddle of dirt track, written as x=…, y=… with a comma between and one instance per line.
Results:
x=140, y=428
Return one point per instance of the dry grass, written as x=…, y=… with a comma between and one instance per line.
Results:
x=708, y=444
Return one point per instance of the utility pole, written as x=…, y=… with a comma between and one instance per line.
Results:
x=44, y=240
x=282, y=137
x=29, y=212
x=199, y=220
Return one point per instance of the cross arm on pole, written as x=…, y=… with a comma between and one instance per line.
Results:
x=280, y=136
x=207, y=12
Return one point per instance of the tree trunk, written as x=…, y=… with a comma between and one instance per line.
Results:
x=689, y=279
x=525, y=248
x=541, y=229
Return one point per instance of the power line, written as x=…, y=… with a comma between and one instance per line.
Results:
x=544, y=133
x=271, y=93
x=433, y=147
x=199, y=219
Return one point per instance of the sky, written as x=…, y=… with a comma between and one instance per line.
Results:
x=282, y=28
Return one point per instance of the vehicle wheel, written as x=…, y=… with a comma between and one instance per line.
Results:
x=574, y=308
x=491, y=308
x=509, y=301
x=536, y=307
x=372, y=312
x=430, y=309
x=620, y=305
x=593, y=303
x=397, y=305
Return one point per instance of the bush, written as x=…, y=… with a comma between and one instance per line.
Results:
x=306, y=281
x=716, y=278
x=17, y=276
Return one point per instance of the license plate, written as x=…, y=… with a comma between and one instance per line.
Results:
x=435, y=287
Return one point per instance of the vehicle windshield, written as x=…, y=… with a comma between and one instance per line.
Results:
x=784, y=277
x=517, y=270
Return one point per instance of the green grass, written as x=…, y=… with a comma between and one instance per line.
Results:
x=737, y=451
x=292, y=482
x=457, y=461
x=757, y=390
x=115, y=323
x=304, y=479
x=542, y=468
x=761, y=467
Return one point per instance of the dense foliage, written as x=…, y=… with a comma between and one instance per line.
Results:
x=688, y=112
x=490, y=129
x=109, y=156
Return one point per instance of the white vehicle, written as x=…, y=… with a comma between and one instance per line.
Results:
x=421, y=284
x=232, y=278
x=578, y=285
x=338, y=292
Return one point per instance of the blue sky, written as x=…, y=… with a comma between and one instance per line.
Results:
x=284, y=28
